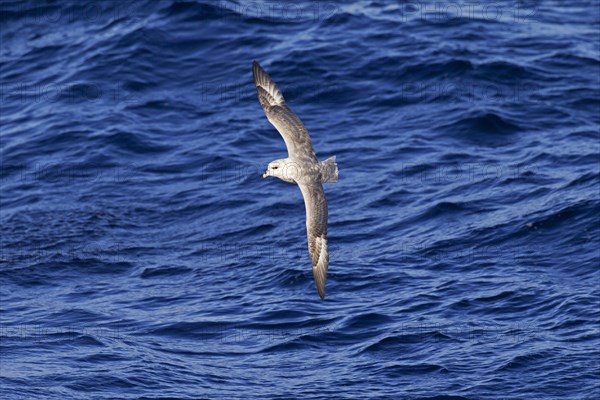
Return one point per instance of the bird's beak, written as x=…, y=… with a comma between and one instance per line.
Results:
x=265, y=174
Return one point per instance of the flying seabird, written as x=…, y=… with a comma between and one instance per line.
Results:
x=300, y=167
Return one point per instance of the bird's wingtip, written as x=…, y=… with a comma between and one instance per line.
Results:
x=321, y=291
x=256, y=70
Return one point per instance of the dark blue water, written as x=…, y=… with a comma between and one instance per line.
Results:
x=143, y=256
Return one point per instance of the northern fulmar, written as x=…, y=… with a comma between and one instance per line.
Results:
x=300, y=167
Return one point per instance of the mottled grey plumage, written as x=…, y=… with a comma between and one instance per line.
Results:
x=301, y=167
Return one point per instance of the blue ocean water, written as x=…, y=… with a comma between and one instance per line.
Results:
x=142, y=255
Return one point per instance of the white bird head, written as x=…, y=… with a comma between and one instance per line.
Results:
x=284, y=169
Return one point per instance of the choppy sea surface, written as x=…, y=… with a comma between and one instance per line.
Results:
x=142, y=255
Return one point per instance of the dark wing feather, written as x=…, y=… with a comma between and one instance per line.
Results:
x=288, y=124
x=316, y=229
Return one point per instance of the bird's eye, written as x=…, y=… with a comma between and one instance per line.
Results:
x=275, y=166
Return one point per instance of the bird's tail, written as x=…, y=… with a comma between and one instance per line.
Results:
x=329, y=170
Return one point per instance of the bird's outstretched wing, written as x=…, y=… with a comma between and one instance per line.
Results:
x=288, y=124
x=316, y=229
